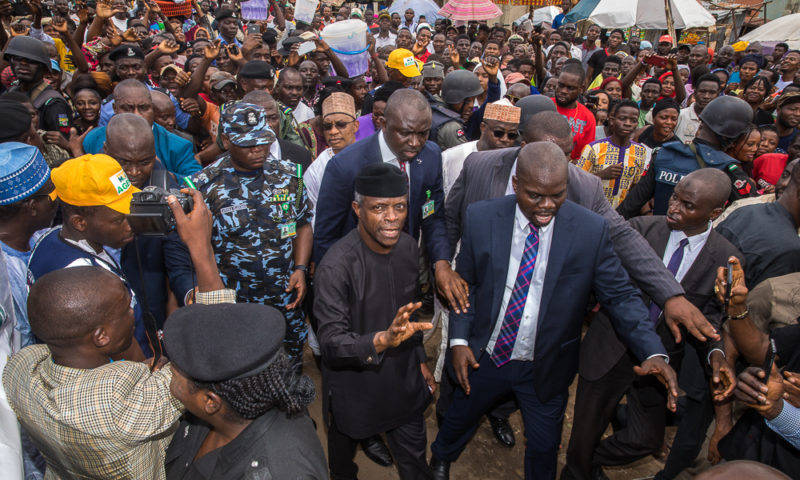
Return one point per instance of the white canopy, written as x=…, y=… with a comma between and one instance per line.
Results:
x=650, y=14
x=544, y=14
x=784, y=29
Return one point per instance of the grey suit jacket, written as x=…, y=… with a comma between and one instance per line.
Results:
x=601, y=348
x=485, y=175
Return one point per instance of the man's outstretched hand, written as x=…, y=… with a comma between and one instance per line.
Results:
x=401, y=328
x=679, y=311
x=463, y=359
x=659, y=368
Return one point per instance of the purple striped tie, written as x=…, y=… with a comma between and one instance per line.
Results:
x=504, y=345
x=673, y=266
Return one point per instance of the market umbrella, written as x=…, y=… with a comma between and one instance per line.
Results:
x=467, y=10
x=581, y=11
x=650, y=14
x=783, y=29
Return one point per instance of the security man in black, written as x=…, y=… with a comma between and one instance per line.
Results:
x=29, y=61
x=724, y=120
x=246, y=406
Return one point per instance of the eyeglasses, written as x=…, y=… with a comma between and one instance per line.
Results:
x=340, y=125
x=511, y=98
x=498, y=134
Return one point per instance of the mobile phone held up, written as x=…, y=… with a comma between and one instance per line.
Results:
x=769, y=359
x=728, y=286
x=656, y=61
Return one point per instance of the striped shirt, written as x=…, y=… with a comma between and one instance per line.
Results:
x=601, y=154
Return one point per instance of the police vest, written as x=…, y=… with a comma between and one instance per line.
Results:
x=439, y=117
x=674, y=161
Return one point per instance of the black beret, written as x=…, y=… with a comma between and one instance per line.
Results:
x=382, y=180
x=269, y=36
x=15, y=119
x=214, y=343
x=257, y=69
x=224, y=13
x=126, y=51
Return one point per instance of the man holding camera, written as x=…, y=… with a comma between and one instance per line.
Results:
x=150, y=260
x=261, y=231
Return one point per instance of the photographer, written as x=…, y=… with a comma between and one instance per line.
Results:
x=130, y=142
x=769, y=394
x=89, y=416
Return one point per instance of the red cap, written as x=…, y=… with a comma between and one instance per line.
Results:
x=665, y=39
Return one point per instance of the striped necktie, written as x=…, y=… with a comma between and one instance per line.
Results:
x=504, y=346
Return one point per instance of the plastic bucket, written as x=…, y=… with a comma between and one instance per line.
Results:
x=348, y=40
x=304, y=10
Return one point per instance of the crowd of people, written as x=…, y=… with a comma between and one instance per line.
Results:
x=192, y=201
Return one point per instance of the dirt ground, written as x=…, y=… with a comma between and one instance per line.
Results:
x=484, y=457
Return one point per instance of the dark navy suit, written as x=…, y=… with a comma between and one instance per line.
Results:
x=581, y=260
x=335, y=216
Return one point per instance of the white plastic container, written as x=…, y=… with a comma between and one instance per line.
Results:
x=304, y=10
x=348, y=40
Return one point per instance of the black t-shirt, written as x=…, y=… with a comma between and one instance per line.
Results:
x=646, y=138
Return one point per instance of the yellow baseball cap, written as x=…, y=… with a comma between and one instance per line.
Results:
x=403, y=60
x=93, y=180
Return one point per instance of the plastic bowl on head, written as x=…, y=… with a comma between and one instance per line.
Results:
x=304, y=10
x=348, y=40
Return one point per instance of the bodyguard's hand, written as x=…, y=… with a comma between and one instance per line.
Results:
x=194, y=228
x=451, y=286
x=723, y=378
x=463, y=359
x=401, y=329
x=679, y=311
x=659, y=368
x=297, y=283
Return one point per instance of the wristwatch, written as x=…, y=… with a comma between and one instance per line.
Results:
x=301, y=267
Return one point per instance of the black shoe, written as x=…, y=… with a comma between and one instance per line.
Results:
x=440, y=469
x=598, y=473
x=377, y=451
x=502, y=431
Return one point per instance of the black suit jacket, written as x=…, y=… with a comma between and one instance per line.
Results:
x=295, y=153
x=485, y=175
x=602, y=348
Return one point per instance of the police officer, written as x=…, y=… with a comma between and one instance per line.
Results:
x=723, y=121
x=261, y=232
x=459, y=91
x=30, y=61
x=247, y=413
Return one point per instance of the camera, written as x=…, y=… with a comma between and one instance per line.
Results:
x=150, y=212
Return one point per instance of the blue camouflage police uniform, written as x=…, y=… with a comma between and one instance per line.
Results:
x=256, y=217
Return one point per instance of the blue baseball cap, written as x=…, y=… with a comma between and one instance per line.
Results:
x=23, y=171
x=245, y=125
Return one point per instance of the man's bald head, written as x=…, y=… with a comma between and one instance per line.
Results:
x=164, y=110
x=541, y=181
x=542, y=158
x=126, y=131
x=742, y=470
x=713, y=184
x=132, y=96
x=260, y=98
x=130, y=141
x=128, y=87
x=549, y=127
x=406, y=98
x=65, y=306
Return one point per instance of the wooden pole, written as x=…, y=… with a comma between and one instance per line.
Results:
x=670, y=22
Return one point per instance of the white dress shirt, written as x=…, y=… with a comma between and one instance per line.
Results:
x=389, y=157
x=526, y=335
x=690, y=252
x=312, y=179
x=453, y=161
x=509, y=186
